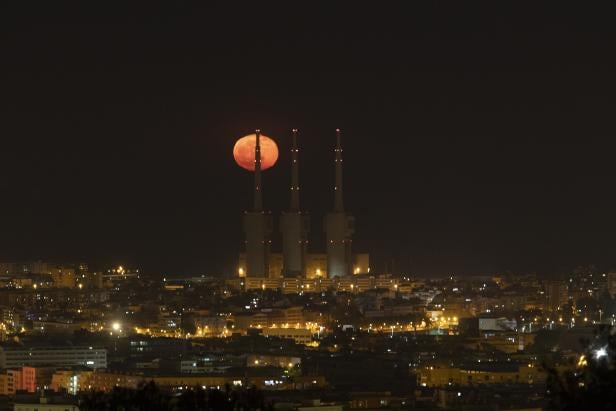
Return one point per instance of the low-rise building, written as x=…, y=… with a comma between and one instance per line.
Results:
x=17, y=379
x=19, y=356
x=479, y=374
x=300, y=335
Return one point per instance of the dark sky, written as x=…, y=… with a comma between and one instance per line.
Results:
x=477, y=139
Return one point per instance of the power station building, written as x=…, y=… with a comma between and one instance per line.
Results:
x=258, y=262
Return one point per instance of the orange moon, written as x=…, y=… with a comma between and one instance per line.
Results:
x=244, y=152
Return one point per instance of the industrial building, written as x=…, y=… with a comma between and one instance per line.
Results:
x=295, y=261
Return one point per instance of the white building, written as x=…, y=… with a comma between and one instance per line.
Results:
x=300, y=335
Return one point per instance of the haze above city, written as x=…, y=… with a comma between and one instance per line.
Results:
x=474, y=142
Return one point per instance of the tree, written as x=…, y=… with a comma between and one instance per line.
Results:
x=592, y=385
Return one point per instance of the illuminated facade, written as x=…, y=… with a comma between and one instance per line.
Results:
x=63, y=277
x=17, y=379
x=480, y=374
x=299, y=335
x=556, y=295
x=315, y=266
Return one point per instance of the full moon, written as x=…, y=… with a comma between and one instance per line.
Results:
x=244, y=152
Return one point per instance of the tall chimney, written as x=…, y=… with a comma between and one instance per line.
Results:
x=338, y=202
x=338, y=226
x=294, y=207
x=258, y=199
x=257, y=227
x=294, y=224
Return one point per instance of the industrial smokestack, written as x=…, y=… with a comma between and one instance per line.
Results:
x=294, y=206
x=258, y=198
x=294, y=225
x=257, y=226
x=338, y=226
x=338, y=200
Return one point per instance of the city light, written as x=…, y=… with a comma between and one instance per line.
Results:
x=469, y=150
x=600, y=353
x=582, y=362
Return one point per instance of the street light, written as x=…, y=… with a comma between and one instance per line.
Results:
x=600, y=353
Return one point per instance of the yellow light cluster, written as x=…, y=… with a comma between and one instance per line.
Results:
x=397, y=327
x=307, y=325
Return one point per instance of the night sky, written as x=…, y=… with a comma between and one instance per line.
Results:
x=476, y=139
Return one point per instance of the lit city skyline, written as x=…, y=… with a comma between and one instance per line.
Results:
x=307, y=207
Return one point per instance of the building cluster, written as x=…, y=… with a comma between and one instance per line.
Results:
x=307, y=330
x=352, y=341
